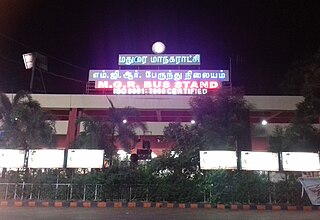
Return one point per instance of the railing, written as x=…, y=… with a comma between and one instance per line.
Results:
x=99, y=192
x=68, y=191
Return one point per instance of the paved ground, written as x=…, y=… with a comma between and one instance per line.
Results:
x=37, y=213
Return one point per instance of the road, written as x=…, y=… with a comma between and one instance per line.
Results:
x=37, y=213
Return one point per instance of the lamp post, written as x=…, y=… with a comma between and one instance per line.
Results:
x=35, y=61
x=29, y=62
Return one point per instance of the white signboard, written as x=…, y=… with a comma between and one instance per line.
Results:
x=264, y=161
x=10, y=158
x=300, y=161
x=81, y=158
x=212, y=160
x=158, y=59
x=46, y=158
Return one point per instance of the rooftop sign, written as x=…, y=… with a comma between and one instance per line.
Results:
x=160, y=75
x=161, y=82
x=158, y=59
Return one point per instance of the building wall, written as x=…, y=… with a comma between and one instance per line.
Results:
x=159, y=111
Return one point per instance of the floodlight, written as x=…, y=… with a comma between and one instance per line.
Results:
x=28, y=60
x=35, y=61
x=158, y=47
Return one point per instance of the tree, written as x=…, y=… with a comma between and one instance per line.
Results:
x=223, y=119
x=105, y=133
x=277, y=139
x=124, y=123
x=24, y=123
x=188, y=140
x=295, y=137
x=95, y=135
x=304, y=79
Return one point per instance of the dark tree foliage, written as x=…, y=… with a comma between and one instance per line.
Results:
x=302, y=79
x=295, y=137
x=108, y=131
x=223, y=120
x=95, y=135
x=24, y=123
x=188, y=142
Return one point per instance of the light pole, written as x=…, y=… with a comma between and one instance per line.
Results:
x=35, y=61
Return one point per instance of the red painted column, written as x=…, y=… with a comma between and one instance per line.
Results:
x=73, y=129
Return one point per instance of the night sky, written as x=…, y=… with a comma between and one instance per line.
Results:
x=263, y=38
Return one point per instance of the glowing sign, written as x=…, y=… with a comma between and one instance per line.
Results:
x=159, y=81
x=158, y=59
x=85, y=158
x=264, y=161
x=46, y=158
x=159, y=87
x=212, y=160
x=300, y=161
x=10, y=158
x=161, y=75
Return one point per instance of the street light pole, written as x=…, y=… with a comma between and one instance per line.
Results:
x=33, y=61
x=33, y=71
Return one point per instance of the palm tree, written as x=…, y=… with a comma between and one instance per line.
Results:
x=95, y=133
x=24, y=123
x=110, y=131
x=122, y=130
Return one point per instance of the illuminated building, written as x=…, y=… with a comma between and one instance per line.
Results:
x=157, y=111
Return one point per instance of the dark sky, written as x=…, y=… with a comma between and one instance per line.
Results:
x=262, y=37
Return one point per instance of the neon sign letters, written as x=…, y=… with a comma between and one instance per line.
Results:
x=159, y=59
x=159, y=81
x=158, y=87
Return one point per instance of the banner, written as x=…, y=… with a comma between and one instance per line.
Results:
x=312, y=186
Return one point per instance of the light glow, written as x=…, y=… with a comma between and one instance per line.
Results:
x=28, y=59
x=84, y=158
x=158, y=47
x=300, y=161
x=153, y=155
x=123, y=155
x=159, y=82
x=213, y=160
x=264, y=161
x=171, y=75
x=158, y=59
x=46, y=158
x=10, y=158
